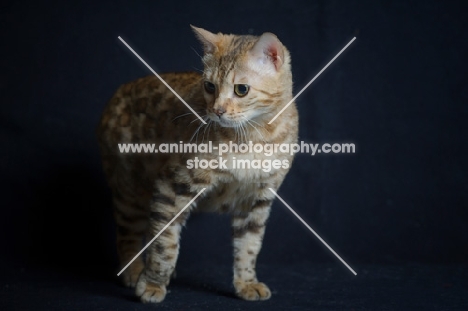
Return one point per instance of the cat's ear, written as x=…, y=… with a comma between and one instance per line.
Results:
x=268, y=50
x=209, y=40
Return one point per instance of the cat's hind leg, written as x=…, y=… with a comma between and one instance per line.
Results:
x=168, y=200
x=132, y=224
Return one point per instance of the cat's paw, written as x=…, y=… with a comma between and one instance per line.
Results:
x=149, y=291
x=131, y=274
x=253, y=291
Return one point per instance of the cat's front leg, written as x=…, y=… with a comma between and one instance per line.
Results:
x=248, y=234
x=169, y=199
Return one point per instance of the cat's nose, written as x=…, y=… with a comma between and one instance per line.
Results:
x=219, y=112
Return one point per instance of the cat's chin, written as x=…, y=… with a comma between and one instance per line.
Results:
x=224, y=123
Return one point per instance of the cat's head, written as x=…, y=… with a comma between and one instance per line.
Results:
x=245, y=77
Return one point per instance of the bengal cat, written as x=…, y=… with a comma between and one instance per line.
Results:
x=246, y=81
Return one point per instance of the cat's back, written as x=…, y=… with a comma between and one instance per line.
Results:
x=142, y=108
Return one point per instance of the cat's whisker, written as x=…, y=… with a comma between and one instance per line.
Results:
x=203, y=117
x=198, y=129
x=198, y=55
x=257, y=123
x=236, y=138
x=191, y=138
x=199, y=70
x=240, y=132
x=248, y=122
x=207, y=126
x=245, y=132
x=196, y=133
x=182, y=115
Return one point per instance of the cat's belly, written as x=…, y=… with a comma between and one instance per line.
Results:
x=233, y=198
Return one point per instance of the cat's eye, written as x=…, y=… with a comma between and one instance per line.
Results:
x=209, y=87
x=241, y=89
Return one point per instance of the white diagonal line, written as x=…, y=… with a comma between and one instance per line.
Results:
x=162, y=230
x=168, y=86
x=312, y=230
x=310, y=82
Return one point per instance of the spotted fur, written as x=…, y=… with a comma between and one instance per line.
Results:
x=150, y=189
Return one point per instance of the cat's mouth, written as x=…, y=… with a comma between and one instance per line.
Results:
x=224, y=122
x=227, y=123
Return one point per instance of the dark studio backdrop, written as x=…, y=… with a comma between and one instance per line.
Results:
x=396, y=210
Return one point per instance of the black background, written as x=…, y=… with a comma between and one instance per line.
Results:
x=399, y=93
